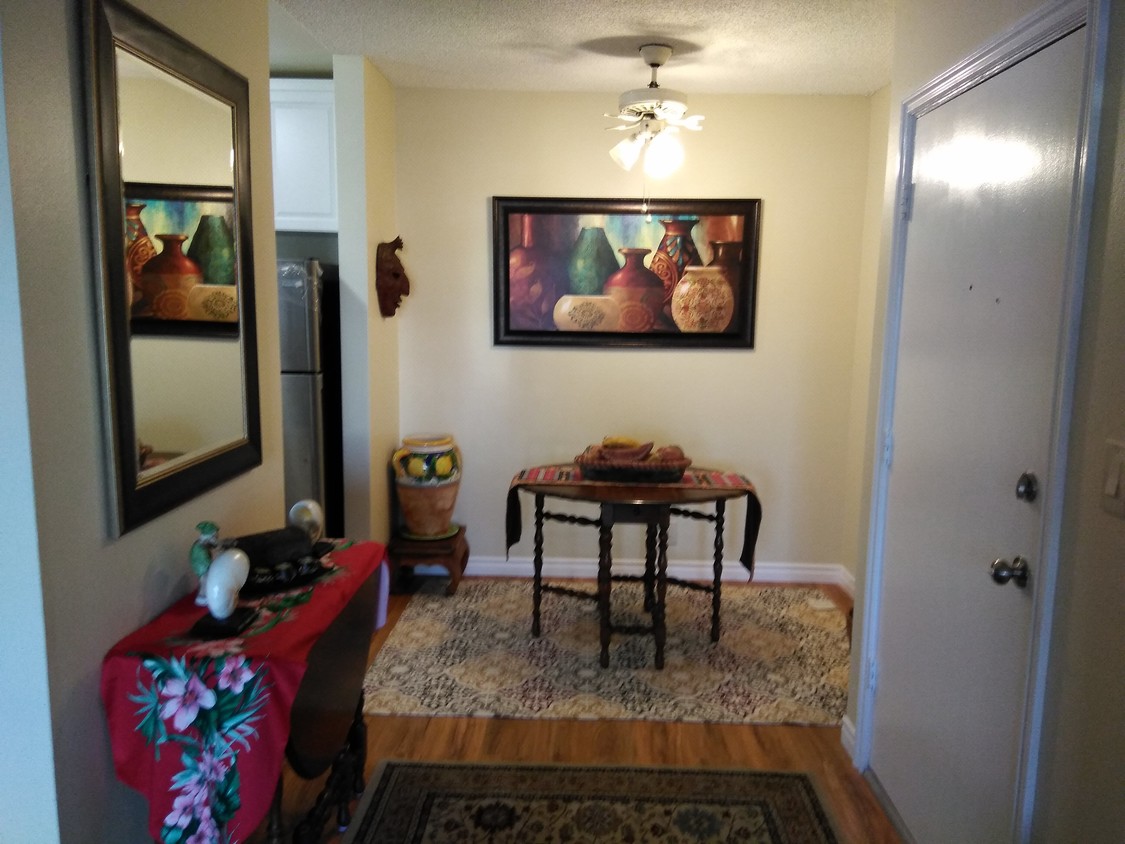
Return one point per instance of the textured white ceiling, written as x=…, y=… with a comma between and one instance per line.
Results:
x=721, y=46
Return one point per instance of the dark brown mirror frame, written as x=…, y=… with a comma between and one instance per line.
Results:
x=110, y=23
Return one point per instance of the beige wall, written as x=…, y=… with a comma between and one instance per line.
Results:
x=201, y=407
x=1083, y=749
x=150, y=103
x=1083, y=755
x=365, y=117
x=785, y=413
x=93, y=589
x=781, y=413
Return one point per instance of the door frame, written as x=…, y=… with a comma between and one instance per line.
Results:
x=1032, y=33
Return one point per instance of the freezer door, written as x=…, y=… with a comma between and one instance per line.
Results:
x=299, y=309
x=303, y=436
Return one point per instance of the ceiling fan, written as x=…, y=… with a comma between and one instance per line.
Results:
x=653, y=115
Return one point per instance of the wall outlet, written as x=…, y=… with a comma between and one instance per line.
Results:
x=1113, y=483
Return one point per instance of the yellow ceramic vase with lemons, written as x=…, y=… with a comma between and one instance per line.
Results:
x=427, y=471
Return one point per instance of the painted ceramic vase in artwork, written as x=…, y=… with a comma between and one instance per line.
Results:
x=213, y=302
x=675, y=251
x=639, y=293
x=587, y=313
x=533, y=286
x=703, y=300
x=427, y=471
x=212, y=247
x=591, y=263
x=727, y=255
x=167, y=278
x=138, y=251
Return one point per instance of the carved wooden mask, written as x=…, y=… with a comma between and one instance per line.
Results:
x=391, y=283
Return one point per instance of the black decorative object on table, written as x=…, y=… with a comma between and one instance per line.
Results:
x=281, y=559
x=210, y=627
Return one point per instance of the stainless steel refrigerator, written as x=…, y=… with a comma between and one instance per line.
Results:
x=309, y=306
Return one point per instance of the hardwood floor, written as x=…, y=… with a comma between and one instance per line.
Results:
x=855, y=813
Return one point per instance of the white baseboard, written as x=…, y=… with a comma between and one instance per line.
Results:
x=830, y=573
x=764, y=572
x=847, y=737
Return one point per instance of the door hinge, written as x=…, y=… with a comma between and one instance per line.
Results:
x=888, y=450
x=906, y=204
x=872, y=677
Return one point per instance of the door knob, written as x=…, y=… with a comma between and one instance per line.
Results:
x=1027, y=487
x=1002, y=571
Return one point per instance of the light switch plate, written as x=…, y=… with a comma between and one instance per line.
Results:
x=1113, y=478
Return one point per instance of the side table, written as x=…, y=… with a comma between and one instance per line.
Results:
x=451, y=553
x=229, y=711
x=651, y=504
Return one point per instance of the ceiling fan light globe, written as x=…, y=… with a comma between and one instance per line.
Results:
x=664, y=156
x=625, y=153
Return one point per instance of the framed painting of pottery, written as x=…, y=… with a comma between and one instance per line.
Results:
x=181, y=264
x=614, y=272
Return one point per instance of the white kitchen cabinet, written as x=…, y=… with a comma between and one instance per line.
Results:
x=303, y=127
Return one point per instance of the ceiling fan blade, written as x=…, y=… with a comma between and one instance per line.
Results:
x=691, y=123
x=632, y=118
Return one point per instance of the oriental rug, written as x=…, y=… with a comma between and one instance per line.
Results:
x=782, y=657
x=550, y=804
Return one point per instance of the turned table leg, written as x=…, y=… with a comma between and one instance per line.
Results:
x=650, y=565
x=716, y=593
x=537, y=564
x=357, y=741
x=659, y=630
x=345, y=781
x=604, y=580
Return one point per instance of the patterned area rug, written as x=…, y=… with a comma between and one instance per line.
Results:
x=782, y=657
x=545, y=804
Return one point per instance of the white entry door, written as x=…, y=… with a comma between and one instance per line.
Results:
x=974, y=408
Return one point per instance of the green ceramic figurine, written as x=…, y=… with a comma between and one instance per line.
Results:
x=202, y=552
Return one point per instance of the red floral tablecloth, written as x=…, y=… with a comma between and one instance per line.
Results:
x=200, y=727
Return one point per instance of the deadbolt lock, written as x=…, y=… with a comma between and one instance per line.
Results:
x=1027, y=487
x=1017, y=571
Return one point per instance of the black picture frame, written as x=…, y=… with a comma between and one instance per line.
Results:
x=544, y=253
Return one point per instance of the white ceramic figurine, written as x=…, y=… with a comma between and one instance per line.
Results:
x=228, y=572
x=309, y=517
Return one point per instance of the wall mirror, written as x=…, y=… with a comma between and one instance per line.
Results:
x=171, y=189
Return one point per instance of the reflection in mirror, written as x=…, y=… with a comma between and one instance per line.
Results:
x=177, y=419
x=173, y=205
x=151, y=104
